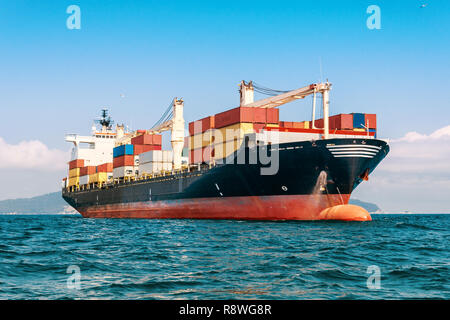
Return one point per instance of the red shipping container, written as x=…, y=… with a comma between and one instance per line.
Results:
x=298, y=125
x=259, y=115
x=138, y=149
x=146, y=139
x=371, y=121
x=88, y=170
x=236, y=115
x=343, y=122
x=202, y=125
x=205, y=154
x=286, y=124
x=318, y=123
x=157, y=139
x=78, y=163
x=141, y=131
x=106, y=167
x=273, y=115
x=123, y=161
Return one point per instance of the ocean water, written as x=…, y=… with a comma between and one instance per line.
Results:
x=191, y=259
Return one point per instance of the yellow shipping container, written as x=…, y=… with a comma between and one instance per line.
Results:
x=359, y=130
x=306, y=123
x=74, y=181
x=223, y=150
x=201, y=140
x=233, y=132
x=74, y=173
x=98, y=177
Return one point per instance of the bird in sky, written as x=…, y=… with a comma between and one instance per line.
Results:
x=424, y=5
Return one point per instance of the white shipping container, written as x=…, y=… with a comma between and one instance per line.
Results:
x=151, y=156
x=167, y=166
x=126, y=171
x=150, y=167
x=167, y=156
x=84, y=180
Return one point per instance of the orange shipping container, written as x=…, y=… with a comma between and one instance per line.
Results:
x=78, y=163
x=240, y=115
x=272, y=115
x=371, y=121
x=123, y=161
x=106, y=167
x=146, y=139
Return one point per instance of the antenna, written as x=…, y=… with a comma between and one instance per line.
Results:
x=105, y=120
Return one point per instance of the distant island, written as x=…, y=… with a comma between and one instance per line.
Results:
x=53, y=203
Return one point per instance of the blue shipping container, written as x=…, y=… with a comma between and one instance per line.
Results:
x=126, y=149
x=374, y=130
x=358, y=120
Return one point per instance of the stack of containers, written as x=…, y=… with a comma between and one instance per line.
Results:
x=146, y=142
x=103, y=173
x=74, y=172
x=155, y=161
x=215, y=137
x=235, y=123
x=201, y=138
x=84, y=174
x=123, y=161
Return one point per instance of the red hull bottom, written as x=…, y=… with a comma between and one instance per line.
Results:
x=299, y=207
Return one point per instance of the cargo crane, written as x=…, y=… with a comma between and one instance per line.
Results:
x=281, y=97
x=173, y=120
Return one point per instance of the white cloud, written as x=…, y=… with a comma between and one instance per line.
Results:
x=414, y=176
x=417, y=153
x=32, y=155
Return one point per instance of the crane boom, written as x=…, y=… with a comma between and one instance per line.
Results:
x=276, y=101
x=246, y=91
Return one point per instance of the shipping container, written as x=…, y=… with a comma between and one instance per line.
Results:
x=202, y=139
x=100, y=177
x=125, y=171
x=240, y=115
x=167, y=156
x=74, y=172
x=150, y=156
x=341, y=122
x=105, y=167
x=74, y=181
x=126, y=149
x=273, y=115
x=147, y=139
x=202, y=125
x=78, y=163
x=201, y=155
x=84, y=180
x=122, y=161
x=232, y=132
x=371, y=121
x=88, y=170
x=150, y=167
x=138, y=149
x=358, y=120
x=223, y=150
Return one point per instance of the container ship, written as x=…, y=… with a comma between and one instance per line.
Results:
x=243, y=163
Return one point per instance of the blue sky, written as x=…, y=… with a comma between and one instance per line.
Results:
x=54, y=80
